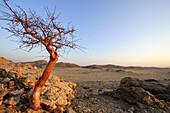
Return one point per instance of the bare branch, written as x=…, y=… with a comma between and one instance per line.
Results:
x=33, y=31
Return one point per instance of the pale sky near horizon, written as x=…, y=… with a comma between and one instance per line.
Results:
x=120, y=32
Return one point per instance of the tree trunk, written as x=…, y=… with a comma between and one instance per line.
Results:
x=35, y=96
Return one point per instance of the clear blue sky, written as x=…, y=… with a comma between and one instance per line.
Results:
x=121, y=32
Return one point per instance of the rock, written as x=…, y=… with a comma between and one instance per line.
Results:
x=168, y=89
x=3, y=92
x=35, y=68
x=29, y=82
x=15, y=93
x=11, y=85
x=136, y=94
x=47, y=104
x=58, y=110
x=57, y=92
x=1, y=86
x=165, y=97
x=1, y=103
x=18, y=80
x=119, y=111
x=61, y=101
x=130, y=110
x=12, y=75
x=81, y=92
x=70, y=110
x=29, y=110
x=153, y=88
x=104, y=91
x=151, y=80
x=3, y=72
x=5, y=80
x=12, y=100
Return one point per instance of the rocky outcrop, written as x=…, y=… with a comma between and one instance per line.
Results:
x=143, y=93
x=152, y=87
x=17, y=82
x=135, y=95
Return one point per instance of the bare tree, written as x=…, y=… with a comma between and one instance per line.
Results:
x=32, y=31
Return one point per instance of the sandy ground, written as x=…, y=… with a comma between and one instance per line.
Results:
x=113, y=75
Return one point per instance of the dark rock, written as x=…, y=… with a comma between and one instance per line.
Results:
x=136, y=94
x=58, y=110
x=70, y=110
x=29, y=110
x=3, y=72
x=11, y=85
x=165, y=97
x=5, y=80
x=15, y=93
x=129, y=81
x=81, y=92
x=151, y=80
x=153, y=88
x=3, y=92
x=168, y=89
x=48, y=105
x=12, y=100
x=12, y=75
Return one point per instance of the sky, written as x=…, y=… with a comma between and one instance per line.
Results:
x=120, y=32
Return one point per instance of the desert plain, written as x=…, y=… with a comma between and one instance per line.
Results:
x=85, y=89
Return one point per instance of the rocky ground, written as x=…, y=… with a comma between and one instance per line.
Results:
x=130, y=95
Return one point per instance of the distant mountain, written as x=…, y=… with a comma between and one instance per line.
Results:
x=102, y=66
x=65, y=65
x=43, y=63
x=110, y=66
x=39, y=63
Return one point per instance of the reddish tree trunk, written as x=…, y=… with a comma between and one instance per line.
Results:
x=35, y=96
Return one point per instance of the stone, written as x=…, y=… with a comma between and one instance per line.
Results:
x=1, y=86
x=58, y=110
x=70, y=110
x=5, y=80
x=81, y=92
x=61, y=101
x=15, y=93
x=1, y=103
x=19, y=80
x=136, y=94
x=152, y=87
x=29, y=82
x=29, y=110
x=3, y=92
x=165, y=97
x=168, y=89
x=12, y=75
x=47, y=104
x=12, y=100
x=130, y=110
x=3, y=72
x=12, y=85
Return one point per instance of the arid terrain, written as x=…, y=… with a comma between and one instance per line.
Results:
x=100, y=88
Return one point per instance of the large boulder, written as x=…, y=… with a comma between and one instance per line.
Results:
x=142, y=93
x=135, y=95
x=152, y=87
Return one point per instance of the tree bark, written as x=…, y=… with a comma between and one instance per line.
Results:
x=35, y=95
